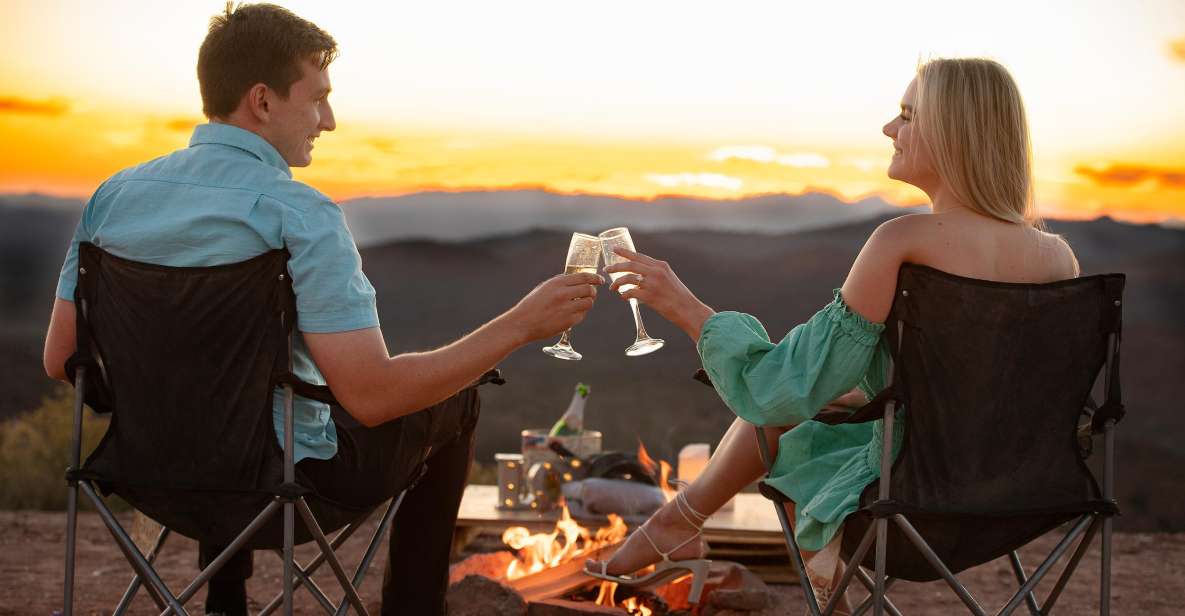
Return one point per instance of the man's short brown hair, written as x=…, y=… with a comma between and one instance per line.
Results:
x=256, y=43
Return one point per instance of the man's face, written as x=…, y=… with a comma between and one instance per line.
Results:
x=294, y=123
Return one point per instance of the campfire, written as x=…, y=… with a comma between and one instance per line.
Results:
x=542, y=573
x=570, y=543
x=545, y=550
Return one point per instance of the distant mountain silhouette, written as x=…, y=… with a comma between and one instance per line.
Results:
x=451, y=217
x=431, y=291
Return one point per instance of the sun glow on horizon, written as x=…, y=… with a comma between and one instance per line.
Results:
x=624, y=99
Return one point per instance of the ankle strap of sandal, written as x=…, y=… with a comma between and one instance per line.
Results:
x=696, y=519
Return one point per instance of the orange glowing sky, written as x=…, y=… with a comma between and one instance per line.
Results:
x=636, y=99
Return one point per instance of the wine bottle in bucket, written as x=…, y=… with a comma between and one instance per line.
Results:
x=572, y=421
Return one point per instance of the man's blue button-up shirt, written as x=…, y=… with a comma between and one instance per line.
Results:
x=226, y=198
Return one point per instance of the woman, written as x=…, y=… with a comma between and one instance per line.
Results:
x=962, y=138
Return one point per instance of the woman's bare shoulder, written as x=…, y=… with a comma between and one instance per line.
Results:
x=1062, y=255
x=905, y=229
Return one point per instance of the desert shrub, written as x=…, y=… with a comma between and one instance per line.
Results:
x=35, y=451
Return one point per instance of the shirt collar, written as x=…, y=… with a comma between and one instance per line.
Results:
x=235, y=137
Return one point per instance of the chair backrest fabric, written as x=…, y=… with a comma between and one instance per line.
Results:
x=187, y=360
x=992, y=378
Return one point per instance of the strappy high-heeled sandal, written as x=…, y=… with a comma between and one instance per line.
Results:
x=824, y=597
x=667, y=569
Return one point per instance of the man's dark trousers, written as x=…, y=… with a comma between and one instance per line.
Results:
x=372, y=465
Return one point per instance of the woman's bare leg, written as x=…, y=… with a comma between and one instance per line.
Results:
x=736, y=464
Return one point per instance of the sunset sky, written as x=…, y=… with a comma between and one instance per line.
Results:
x=720, y=99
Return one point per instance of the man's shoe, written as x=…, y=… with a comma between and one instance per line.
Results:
x=226, y=598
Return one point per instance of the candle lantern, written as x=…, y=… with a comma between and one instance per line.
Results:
x=510, y=480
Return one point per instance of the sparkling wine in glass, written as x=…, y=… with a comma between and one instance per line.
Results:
x=584, y=253
x=615, y=238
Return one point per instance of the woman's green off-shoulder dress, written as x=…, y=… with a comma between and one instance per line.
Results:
x=822, y=468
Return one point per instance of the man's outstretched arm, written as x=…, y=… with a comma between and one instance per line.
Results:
x=375, y=387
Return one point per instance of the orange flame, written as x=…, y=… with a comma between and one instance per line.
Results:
x=539, y=551
x=632, y=606
x=664, y=471
x=543, y=550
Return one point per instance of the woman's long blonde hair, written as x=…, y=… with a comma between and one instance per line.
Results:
x=971, y=116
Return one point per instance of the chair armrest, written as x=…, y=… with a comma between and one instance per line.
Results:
x=874, y=410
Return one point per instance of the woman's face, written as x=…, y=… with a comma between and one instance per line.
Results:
x=911, y=162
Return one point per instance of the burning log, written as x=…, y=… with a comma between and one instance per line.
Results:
x=560, y=579
x=563, y=607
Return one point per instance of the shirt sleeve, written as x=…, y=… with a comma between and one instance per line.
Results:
x=787, y=383
x=68, y=278
x=332, y=293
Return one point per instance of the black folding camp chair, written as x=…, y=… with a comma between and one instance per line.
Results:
x=993, y=383
x=187, y=361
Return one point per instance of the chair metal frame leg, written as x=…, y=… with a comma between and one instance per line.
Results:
x=338, y=539
x=916, y=539
x=882, y=524
x=1071, y=566
x=135, y=558
x=229, y=551
x=72, y=493
x=289, y=478
x=126, y=600
x=1108, y=490
x=1061, y=548
x=305, y=580
x=1108, y=480
x=870, y=586
x=331, y=557
x=305, y=573
x=851, y=568
x=373, y=547
x=1018, y=570
x=788, y=530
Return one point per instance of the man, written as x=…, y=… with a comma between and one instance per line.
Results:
x=230, y=196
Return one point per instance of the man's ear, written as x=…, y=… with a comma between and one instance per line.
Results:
x=257, y=102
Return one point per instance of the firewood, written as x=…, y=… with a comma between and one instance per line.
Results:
x=561, y=579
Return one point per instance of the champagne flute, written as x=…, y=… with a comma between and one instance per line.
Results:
x=620, y=238
x=584, y=253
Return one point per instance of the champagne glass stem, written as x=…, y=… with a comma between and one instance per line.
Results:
x=642, y=335
x=564, y=339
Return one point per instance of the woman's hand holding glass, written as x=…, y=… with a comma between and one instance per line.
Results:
x=652, y=281
x=611, y=240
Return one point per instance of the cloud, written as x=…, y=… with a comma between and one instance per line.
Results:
x=866, y=164
x=710, y=180
x=1130, y=175
x=48, y=107
x=766, y=154
x=1177, y=48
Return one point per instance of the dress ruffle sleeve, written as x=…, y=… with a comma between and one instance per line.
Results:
x=786, y=383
